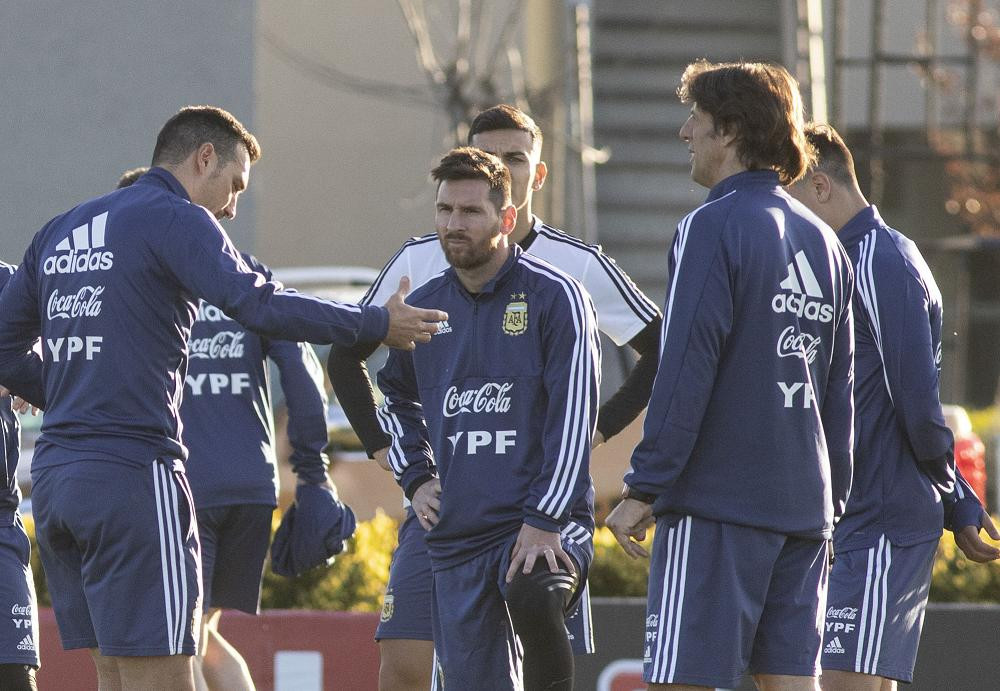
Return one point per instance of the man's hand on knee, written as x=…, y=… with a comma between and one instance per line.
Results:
x=533, y=543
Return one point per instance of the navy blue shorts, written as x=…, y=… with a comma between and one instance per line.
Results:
x=19, y=633
x=875, y=609
x=726, y=599
x=473, y=638
x=406, y=607
x=119, y=545
x=234, y=541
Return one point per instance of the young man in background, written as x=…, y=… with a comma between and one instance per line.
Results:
x=906, y=486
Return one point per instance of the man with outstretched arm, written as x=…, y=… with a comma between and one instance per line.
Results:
x=745, y=460
x=500, y=407
x=111, y=287
x=888, y=537
x=231, y=465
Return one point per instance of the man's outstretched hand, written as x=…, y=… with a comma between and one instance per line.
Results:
x=409, y=325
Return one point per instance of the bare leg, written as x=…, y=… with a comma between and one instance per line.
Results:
x=839, y=680
x=218, y=662
x=162, y=672
x=197, y=664
x=785, y=682
x=107, y=672
x=406, y=664
x=224, y=667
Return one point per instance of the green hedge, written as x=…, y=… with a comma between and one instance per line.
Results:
x=356, y=580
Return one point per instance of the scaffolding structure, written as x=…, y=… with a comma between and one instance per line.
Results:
x=953, y=133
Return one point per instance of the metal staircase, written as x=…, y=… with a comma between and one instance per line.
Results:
x=640, y=49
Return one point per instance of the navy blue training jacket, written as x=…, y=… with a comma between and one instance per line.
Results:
x=904, y=454
x=501, y=404
x=227, y=409
x=111, y=287
x=750, y=420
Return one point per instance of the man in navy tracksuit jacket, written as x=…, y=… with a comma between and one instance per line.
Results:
x=19, y=641
x=501, y=407
x=231, y=465
x=906, y=486
x=111, y=287
x=745, y=460
x=624, y=314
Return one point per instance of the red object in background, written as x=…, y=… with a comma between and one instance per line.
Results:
x=342, y=640
x=970, y=457
x=621, y=675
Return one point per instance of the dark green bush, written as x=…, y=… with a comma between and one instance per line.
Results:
x=357, y=579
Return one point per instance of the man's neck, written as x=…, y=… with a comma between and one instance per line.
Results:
x=728, y=168
x=181, y=175
x=473, y=280
x=525, y=221
x=852, y=203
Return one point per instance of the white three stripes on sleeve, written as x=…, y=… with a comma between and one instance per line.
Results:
x=576, y=422
x=865, y=276
x=636, y=300
x=391, y=425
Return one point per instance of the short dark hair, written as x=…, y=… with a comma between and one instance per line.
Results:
x=505, y=117
x=760, y=105
x=129, y=177
x=193, y=126
x=470, y=163
x=832, y=155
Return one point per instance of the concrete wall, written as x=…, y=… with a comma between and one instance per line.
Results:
x=343, y=178
x=345, y=174
x=85, y=86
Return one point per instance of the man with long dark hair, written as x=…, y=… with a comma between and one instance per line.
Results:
x=745, y=460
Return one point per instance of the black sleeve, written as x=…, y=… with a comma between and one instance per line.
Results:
x=626, y=404
x=353, y=388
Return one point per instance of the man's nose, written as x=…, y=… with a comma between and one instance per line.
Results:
x=229, y=210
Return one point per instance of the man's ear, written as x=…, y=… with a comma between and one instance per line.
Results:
x=728, y=136
x=821, y=186
x=541, y=172
x=204, y=156
x=508, y=218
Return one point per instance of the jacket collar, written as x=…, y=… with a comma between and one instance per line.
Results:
x=859, y=226
x=748, y=178
x=161, y=178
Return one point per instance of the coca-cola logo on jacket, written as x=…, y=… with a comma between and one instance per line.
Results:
x=225, y=344
x=488, y=398
x=83, y=303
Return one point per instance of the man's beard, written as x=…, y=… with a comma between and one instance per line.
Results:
x=468, y=256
